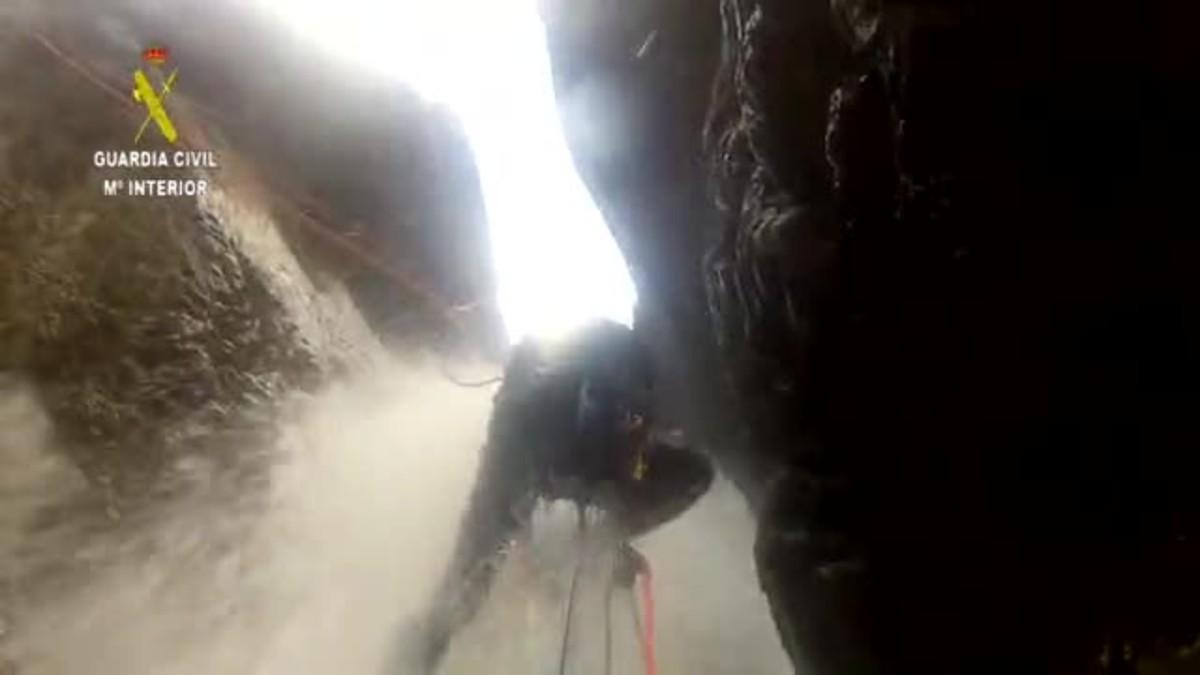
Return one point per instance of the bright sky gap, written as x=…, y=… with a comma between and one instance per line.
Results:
x=555, y=260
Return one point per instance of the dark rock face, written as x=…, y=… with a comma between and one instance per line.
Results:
x=950, y=291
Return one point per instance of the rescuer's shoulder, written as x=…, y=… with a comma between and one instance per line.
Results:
x=523, y=363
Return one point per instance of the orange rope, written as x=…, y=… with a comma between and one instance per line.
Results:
x=82, y=70
x=648, y=654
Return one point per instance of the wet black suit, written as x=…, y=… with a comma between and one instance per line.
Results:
x=570, y=421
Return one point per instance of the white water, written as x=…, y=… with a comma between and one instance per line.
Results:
x=363, y=505
x=359, y=518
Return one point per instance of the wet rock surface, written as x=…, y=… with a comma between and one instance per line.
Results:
x=163, y=340
x=134, y=322
x=943, y=271
x=147, y=324
x=633, y=88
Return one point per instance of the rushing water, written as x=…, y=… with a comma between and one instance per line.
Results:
x=364, y=495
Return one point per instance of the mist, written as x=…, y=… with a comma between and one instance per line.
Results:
x=316, y=550
x=323, y=571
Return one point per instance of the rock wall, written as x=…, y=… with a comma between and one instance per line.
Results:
x=146, y=327
x=943, y=271
x=633, y=83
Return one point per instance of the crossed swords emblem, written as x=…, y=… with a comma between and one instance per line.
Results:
x=144, y=93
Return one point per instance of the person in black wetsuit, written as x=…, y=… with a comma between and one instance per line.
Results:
x=572, y=420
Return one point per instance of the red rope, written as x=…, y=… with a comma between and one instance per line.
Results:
x=648, y=625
